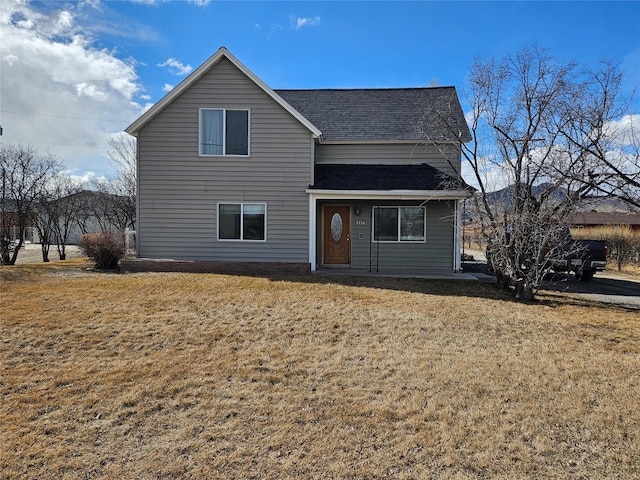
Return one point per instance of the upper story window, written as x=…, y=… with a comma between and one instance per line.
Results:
x=224, y=132
x=399, y=224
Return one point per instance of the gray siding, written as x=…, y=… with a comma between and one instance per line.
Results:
x=445, y=158
x=179, y=190
x=436, y=254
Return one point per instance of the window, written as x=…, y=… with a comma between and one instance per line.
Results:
x=399, y=224
x=224, y=132
x=242, y=221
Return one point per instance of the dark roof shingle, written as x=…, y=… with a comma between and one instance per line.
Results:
x=388, y=114
x=381, y=177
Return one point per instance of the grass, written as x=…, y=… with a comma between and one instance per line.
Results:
x=214, y=376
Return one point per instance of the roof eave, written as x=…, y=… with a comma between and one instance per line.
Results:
x=222, y=52
x=390, y=194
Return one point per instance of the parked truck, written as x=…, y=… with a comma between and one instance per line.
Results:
x=583, y=258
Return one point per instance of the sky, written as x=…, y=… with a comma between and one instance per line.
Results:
x=74, y=73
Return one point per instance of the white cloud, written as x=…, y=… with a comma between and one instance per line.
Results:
x=625, y=130
x=91, y=91
x=176, y=67
x=59, y=93
x=299, y=22
x=10, y=59
x=167, y=87
x=86, y=180
x=197, y=3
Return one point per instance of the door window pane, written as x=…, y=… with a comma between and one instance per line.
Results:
x=336, y=226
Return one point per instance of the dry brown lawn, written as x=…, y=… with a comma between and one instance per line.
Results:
x=213, y=376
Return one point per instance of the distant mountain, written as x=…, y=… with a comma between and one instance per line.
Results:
x=505, y=195
x=588, y=204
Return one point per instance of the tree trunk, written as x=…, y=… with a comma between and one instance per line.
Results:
x=524, y=291
x=502, y=281
x=45, y=252
x=4, y=251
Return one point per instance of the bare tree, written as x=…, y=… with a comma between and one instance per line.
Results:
x=604, y=133
x=67, y=210
x=117, y=204
x=529, y=113
x=25, y=175
x=60, y=210
x=43, y=222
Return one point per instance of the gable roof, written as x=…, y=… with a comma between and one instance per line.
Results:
x=388, y=114
x=350, y=115
x=222, y=52
x=422, y=177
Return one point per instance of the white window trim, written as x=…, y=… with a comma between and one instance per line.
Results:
x=242, y=204
x=224, y=131
x=373, y=224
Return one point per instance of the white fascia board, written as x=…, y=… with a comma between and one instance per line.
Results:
x=199, y=72
x=387, y=142
x=389, y=194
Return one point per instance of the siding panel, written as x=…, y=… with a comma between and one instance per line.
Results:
x=179, y=190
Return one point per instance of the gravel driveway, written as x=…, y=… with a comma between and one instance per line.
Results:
x=31, y=253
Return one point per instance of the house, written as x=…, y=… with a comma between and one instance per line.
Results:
x=232, y=172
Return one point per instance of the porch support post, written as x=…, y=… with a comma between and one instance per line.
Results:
x=312, y=231
x=457, y=233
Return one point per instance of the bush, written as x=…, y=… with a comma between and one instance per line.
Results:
x=104, y=248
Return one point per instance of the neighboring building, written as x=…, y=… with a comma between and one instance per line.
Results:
x=86, y=211
x=606, y=219
x=232, y=171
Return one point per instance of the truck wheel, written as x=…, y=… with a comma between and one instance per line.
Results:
x=584, y=275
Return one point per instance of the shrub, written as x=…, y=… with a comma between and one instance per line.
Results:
x=104, y=248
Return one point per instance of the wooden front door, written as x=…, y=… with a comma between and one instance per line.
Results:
x=336, y=235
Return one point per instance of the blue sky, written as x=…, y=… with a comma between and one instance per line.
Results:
x=73, y=73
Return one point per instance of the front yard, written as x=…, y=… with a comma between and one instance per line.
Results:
x=214, y=376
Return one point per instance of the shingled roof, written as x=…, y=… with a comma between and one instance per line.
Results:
x=382, y=177
x=389, y=114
